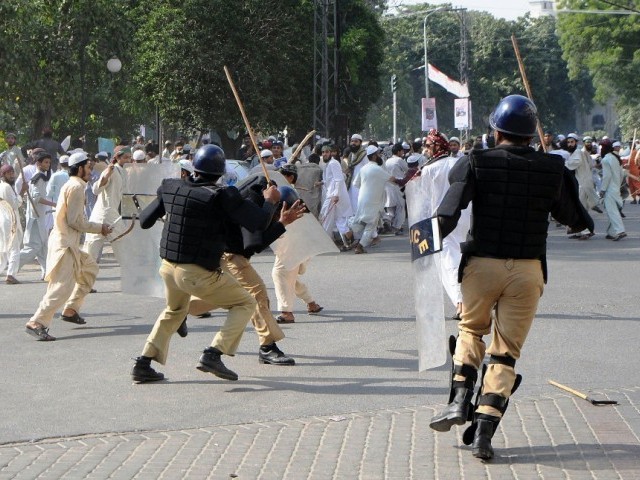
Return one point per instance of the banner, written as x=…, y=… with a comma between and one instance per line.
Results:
x=461, y=113
x=460, y=90
x=106, y=145
x=429, y=116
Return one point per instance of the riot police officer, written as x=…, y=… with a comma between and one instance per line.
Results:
x=513, y=189
x=193, y=240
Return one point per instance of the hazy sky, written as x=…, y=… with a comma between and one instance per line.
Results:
x=509, y=9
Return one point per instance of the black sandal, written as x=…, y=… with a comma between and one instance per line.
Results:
x=41, y=333
x=75, y=318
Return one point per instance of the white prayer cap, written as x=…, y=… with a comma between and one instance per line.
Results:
x=574, y=136
x=266, y=153
x=371, y=149
x=587, y=139
x=64, y=159
x=419, y=140
x=414, y=158
x=77, y=158
x=605, y=137
x=356, y=136
x=186, y=165
x=406, y=146
x=616, y=144
x=103, y=155
x=454, y=139
x=138, y=156
x=75, y=150
x=560, y=138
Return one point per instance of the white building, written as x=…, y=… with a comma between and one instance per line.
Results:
x=541, y=8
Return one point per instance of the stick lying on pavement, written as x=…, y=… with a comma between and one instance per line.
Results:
x=582, y=395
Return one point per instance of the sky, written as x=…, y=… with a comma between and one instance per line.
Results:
x=509, y=9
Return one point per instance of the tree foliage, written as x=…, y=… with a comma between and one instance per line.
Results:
x=608, y=48
x=492, y=69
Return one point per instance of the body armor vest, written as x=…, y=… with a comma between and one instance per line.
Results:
x=194, y=230
x=516, y=188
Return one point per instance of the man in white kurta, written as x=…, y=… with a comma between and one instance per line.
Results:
x=395, y=208
x=355, y=161
x=58, y=179
x=435, y=178
x=370, y=181
x=36, y=232
x=109, y=189
x=70, y=271
x=12, y=234
x=336, y=207
x=579, y=163
x=286, y=281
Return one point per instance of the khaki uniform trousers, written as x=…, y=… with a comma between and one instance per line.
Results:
x=514, y=287
x=68, y=285
x=181, y=281
x=262, y=319
x=288, y=286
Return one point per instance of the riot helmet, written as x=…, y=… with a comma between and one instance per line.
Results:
x=288, y=195
x=515, y=115
x=209, y=159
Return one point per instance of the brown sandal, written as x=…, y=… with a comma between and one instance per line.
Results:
x=40, y=332
x=285, y=317
x=313, y=308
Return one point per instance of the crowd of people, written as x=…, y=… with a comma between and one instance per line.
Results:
x=59, y=207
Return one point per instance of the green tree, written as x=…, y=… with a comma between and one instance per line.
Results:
x=54, y=54
x=608, y=48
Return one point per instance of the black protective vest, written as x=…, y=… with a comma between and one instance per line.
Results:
x=194, y=229
x=515, y=189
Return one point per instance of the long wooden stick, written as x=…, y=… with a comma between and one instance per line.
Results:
x=582, y=395
x=246, y=121
x=633, y=158
x=523, y=74
x=301, y=146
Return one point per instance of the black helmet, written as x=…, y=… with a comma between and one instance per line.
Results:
x=515, y=115
x=209, y=159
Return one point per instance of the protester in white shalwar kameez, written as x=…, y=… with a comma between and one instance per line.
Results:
x=11, y=234
x=435, y=178
x=70, y=271
x=336, y=207
x=354, y=163
x=109, y=189
x=58, y=179
x=612, y=177
x=579, y=162
x=36, y=232
x=370, y=181
x=286, y=281
x=395, y=207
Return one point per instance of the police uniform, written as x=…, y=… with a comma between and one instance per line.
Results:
x=193, y=240
x=241, y=245
x=512, y=189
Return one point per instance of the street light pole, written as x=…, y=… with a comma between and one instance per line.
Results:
x=426, y=64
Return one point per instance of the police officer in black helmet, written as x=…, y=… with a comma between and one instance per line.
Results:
x=193, y=240
x=513, y=189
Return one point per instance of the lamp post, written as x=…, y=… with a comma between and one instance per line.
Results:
x=426, y=64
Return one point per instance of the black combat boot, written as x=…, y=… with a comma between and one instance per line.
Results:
x=272, y=355
x=142, y=371
x=486, y=427
x=458, y=411
x=210, y=362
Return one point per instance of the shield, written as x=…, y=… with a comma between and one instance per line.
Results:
x=140, y=248
x=305, y=238
x=428, y=288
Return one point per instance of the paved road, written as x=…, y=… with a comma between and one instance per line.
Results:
x=357, y=361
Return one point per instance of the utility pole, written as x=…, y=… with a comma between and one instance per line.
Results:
x=394, y=87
